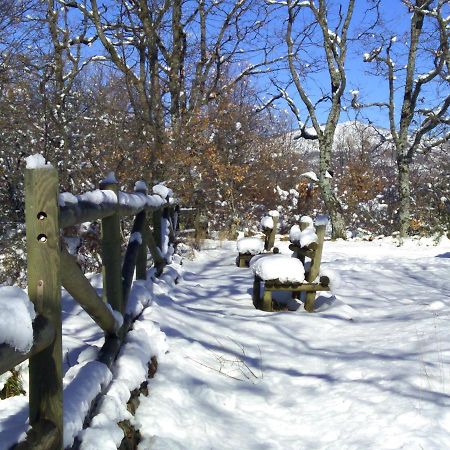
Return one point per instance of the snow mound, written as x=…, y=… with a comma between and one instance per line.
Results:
x=279, y=267
x=294, y=233
x=308, y=237
x=162, y=191
x=82, y=385
x=98, y=197
x=267, y=222
x=110, y=179
x=37, y=161
x=303, y=238
x=16, y=317
x=250, y=245
x=332, y=307
x=311, y=175
x=308, y=221
x=140, y=186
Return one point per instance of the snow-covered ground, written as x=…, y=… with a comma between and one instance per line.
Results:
x=369, y=370
x=84, y=377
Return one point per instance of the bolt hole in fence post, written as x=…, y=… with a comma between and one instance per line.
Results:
x=41, y=215
x=42, y=238
x=40, y=296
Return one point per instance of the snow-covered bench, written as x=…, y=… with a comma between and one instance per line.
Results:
x=248, y=247
x=291, y=273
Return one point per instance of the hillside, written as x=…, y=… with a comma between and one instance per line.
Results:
x=351, y=137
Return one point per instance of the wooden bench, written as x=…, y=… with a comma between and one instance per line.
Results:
x=245, y=256
x=312, y=282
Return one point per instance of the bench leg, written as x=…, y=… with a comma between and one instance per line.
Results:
x=243, y=260
x=256, y=294
x=309, y=302
x=267, y=300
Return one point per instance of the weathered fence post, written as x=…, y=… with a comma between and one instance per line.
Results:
x=269, y=240
x=44, y=289
x=111, y=253
x=157, y=217
x=141, y=263
x=173, y=224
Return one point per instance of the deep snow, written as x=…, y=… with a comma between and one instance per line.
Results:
x=368, y=370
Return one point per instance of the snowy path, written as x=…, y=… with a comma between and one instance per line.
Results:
x=369, y=371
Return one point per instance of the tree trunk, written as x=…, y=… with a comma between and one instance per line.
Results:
x=334, y=208
x=332, y=204
x=404, y=196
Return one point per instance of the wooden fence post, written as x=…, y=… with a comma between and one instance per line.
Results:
x=141, y=262
x=271, y=234
x=157, y=217
x=173, y=224
x=44, y=289
x=111, y=253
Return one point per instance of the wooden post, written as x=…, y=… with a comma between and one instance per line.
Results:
x=201, y=226
x=111, y=254
x=130, y=258
x=315, y=267
x=271, y=233
x=157, y=217
x=242, y=261
x=172, y=217
x=303, y=226
x=176, y=219
x=256, y=294
x=266, y=303
x=141, y=262
x=44, y=290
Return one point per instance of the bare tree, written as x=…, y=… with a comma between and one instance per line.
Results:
x=65, y=62
x=317, y=41
x=422, y=74
x=176, y=57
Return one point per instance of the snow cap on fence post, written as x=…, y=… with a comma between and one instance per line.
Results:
x=141, y=186
x=109, y=179
x=37, y=161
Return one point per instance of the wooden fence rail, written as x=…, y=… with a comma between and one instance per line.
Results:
x=50, y=267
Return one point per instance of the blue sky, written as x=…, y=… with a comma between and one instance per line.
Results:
x=396, y=18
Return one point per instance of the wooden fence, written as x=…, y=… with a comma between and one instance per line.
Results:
x=50, y=266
